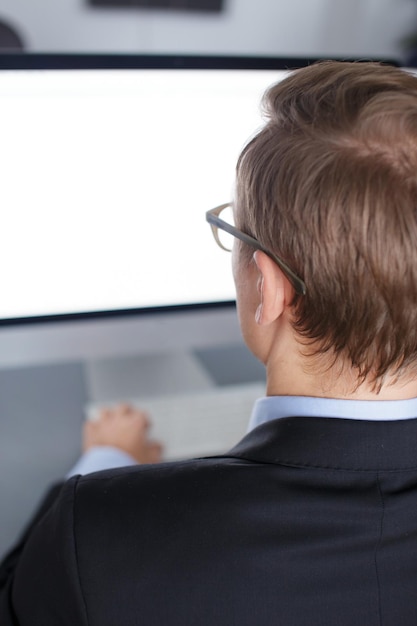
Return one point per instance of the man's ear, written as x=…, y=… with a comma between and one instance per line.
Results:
x=275, y=290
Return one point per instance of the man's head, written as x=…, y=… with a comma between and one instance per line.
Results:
x=330, y=185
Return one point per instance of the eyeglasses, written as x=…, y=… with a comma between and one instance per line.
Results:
x=216, y=223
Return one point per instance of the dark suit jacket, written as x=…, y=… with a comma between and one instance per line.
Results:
x=306, y=522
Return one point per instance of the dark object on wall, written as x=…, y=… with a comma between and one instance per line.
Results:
x=411, y=58
x=182, y=5
x=409, y=45
x=9, y=38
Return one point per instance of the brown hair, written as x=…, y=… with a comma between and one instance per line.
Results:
x=330, y=185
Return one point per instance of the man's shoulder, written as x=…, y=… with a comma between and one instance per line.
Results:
x=156, y=471
x=153, y=483
x=141, y=500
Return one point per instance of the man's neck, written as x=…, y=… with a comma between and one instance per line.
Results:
x=289, y=378
x=295, y=368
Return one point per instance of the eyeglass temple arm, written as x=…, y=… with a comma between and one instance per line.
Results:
x=297, y=283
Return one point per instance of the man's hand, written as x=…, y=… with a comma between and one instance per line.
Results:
x=123, y=427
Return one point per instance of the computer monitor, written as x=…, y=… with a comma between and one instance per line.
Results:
x=108, y=165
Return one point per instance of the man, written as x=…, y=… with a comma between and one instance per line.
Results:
x=311, y=520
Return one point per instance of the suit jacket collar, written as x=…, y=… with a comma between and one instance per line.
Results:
x=332, y=443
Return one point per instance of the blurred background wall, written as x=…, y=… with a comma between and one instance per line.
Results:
x=347, y=28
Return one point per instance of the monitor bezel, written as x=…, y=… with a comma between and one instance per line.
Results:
x=92, y=61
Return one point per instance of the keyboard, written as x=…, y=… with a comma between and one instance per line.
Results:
x=199, y=423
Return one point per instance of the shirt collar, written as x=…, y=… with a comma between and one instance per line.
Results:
x=276, y=407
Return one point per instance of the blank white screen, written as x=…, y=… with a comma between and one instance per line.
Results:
x=106, y=177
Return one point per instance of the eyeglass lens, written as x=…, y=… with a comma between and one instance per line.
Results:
x=225, y=238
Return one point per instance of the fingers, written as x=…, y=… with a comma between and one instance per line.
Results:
x=125, y=411
x=154, y=452
x=123, y=416
x=126, y=427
